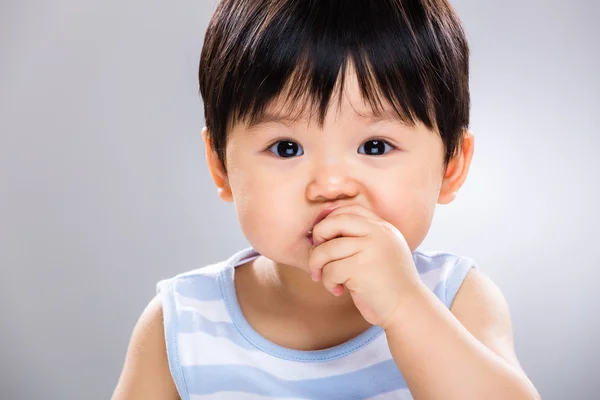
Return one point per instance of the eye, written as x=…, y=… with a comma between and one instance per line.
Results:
x=375, y=147
x=286, y=149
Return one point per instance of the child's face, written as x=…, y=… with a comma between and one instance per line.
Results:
x=277, y=199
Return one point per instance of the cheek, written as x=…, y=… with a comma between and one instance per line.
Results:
x=410, y=208
x=265, y=205
x=270, y=207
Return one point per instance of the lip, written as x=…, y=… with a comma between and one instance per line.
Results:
x=322, y=215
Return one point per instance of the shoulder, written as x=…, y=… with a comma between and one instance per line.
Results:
x=472, y=297
x=483, y=310
x=443, y=272
x=152, y=367
x=146, y=373
x=207, y=283
x=202, y=282
x=205, y=279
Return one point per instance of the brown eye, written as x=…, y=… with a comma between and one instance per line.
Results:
x=286, y=149
x=375, y=147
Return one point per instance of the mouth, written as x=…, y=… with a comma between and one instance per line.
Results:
x=322, y=215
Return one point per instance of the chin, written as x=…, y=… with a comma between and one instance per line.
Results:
x=293, y=254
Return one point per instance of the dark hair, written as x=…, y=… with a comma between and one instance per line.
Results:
x=411, y=54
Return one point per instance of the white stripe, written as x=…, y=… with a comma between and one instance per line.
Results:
x=400, y=394
x=238, y=396
x=212, y=310
x=200, y=349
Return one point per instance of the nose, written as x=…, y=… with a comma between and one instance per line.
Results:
x=332, y=182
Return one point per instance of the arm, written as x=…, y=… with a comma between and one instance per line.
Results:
x=468, y=355
x=146, y=372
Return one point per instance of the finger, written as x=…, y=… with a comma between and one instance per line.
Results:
x=338, y=290
x=336, y=274
x=332, y=250
x=346, y=225
x=356, y=210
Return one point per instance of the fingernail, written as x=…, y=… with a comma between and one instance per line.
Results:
x=313, y=277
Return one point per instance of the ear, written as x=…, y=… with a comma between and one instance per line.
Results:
x=457, y=170
x=218, y=173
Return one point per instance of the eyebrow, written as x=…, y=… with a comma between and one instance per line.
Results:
x=386, y=115
x=368, y=118
x=271, y=117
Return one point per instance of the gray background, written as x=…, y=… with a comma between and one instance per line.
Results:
x=104, y=188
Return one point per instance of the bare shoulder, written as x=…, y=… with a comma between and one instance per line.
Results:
x=482, y=309
x=146, y=372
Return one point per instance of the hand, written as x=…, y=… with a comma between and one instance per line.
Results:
x=355, y=249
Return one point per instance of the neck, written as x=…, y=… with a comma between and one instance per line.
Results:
x=296, y=287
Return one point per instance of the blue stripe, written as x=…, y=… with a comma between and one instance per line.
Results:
x=425, y=262
x=191, y=321
x=368, y=382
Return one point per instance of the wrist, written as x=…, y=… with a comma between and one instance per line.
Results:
x=405, y=310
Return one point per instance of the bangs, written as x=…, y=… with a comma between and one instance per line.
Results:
x=405, y=54
x=309, y=90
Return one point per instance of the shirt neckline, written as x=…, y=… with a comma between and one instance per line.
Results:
x=264, y=344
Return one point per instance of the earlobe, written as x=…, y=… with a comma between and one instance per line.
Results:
x=217, y=172
x=457, y=170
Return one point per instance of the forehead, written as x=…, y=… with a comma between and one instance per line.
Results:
x=346, y=102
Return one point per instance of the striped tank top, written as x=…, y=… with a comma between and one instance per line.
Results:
x=214, y=353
